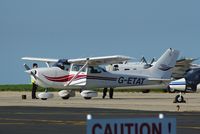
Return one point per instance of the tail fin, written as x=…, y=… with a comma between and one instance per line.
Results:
x=163, y=67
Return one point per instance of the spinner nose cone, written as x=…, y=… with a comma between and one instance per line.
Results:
x=28, y=71
x=32, y=71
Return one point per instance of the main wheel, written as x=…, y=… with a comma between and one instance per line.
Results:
x=87, y=98
x=43, y=98
x=146, y=91
x=66, y=97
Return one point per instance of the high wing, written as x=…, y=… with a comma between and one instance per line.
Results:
x=91, y=61
x=40, y=59
x=181, y=67
x=101, y=60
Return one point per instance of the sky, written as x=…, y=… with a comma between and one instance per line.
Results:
x=84, y=28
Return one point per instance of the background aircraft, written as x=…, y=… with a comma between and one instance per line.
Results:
x=86, y=74
x=189, y=83
x=182, y=65
x=179, y=71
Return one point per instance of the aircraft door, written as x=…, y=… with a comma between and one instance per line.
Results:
x=96, y=77
x=79, y=74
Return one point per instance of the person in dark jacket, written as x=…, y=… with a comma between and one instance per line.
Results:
x=34, y=85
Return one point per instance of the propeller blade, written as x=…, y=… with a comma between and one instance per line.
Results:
x=28, y=70
x=31, y=73
x=26, y=67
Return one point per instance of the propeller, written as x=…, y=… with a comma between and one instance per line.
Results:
x=147, y=65
x=29, y=71
x=33, y=72
x=27, y=67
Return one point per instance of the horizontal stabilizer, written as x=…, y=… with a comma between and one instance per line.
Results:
x=157, y=79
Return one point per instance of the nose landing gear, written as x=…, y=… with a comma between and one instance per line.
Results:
x=179, y=98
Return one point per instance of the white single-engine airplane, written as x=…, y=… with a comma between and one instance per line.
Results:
x=86, y=74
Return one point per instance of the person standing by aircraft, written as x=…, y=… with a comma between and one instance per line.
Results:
x=34, y=85
x=105, y=93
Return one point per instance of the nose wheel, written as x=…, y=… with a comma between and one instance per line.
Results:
x=87, y=98
x=179, y=99
x=43, y=98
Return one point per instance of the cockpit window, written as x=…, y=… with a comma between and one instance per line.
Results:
x=63, y=64
x=92, y=69
x=76, y=68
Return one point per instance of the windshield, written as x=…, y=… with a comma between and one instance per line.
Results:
x=62, y=64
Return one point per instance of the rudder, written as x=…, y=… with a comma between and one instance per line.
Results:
x=163, y=67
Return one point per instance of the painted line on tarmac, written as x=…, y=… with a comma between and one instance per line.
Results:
x=75, y=113
x=189, y=127
x=11, y=123
x=55, y=122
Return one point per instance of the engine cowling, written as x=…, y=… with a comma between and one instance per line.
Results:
x=177, y=85
x=183, y=85
x=198, y=88
x=88, y=94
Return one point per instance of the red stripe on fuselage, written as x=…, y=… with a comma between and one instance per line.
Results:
x=67, y=78
x=64, y=78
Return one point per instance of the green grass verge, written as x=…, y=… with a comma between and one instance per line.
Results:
x=21, y=87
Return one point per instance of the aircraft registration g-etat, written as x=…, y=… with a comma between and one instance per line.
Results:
x=87, y=73
x=131, y=80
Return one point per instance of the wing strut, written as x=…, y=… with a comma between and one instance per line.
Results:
x=47, y=63
x=83, y=67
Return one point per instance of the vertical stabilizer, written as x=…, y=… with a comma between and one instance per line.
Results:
x=163, y=67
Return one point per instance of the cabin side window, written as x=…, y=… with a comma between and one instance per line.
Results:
x=92, y=69
x=67, y=67
x=115, y=68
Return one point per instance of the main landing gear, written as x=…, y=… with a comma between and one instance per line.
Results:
x=45, y=95
x=111, y=91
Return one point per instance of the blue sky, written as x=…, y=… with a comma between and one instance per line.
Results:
x=82, y=28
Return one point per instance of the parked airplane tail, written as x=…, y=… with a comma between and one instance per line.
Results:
x=163, y=67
